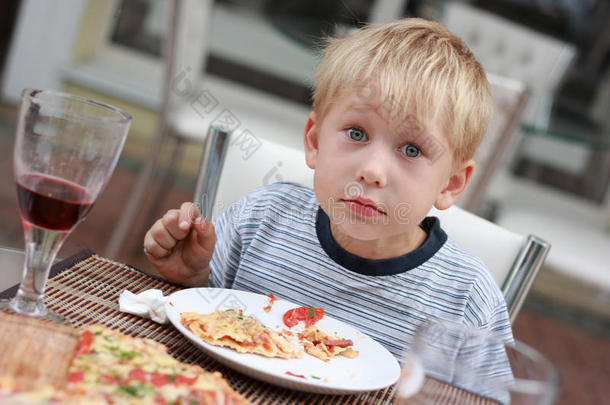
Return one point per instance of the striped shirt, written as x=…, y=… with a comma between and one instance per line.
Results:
x=277, y=240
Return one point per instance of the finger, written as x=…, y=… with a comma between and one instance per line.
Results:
x=152, y=249
x=161, y=234
x=189, y=213
x=171, y=224
x=205, y=234
x=200, y=245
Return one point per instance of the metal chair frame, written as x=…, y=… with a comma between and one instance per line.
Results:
x=523, y=273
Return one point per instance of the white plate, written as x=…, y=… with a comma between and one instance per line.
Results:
x=374, y=368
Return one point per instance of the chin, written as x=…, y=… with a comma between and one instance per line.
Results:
x=362, y=231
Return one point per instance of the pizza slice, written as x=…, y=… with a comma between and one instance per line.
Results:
x=242, y=333
x=319, y=344
x=140, y=371
x=111, y=368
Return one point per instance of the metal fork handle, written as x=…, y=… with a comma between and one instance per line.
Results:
x=212, y=161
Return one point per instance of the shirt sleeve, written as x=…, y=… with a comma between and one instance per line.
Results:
x=486, y=309
x=488, y=368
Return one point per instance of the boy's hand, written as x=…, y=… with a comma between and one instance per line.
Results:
x=180, y=245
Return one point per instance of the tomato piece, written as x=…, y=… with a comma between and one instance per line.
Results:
x=111, y=379
x=159, y=379
x=290, y=318
x=310, y=315
x=84, y=344
x=314, y=316
x=76, y=376
x=138, y=374
x=159, y=400
x=182, y=380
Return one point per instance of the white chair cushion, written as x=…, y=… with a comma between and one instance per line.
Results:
x=496, y=246
x=245, y=170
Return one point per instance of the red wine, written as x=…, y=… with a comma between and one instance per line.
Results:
x=52, y=203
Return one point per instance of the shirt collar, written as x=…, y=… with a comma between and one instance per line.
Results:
x=381, y=267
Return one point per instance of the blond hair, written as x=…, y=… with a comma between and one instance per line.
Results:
x=417, y=66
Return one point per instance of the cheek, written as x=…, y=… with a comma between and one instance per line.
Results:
x=321, y=186
x=323, y=194
x=414, y=199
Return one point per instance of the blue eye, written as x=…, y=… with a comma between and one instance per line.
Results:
x=410, y=150
x=356, y=134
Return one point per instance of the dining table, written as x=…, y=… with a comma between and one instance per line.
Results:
x=84, y=289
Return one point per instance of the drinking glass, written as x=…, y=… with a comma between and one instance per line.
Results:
x=447, y=362
x=66, y=148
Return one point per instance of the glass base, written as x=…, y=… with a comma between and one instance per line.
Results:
x=40, y=311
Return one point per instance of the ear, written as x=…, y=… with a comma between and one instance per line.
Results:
x=455, y=185
x=311, y=140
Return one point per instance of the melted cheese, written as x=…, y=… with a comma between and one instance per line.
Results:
x=244, y=334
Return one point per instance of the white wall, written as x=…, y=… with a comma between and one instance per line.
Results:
x=41, y=46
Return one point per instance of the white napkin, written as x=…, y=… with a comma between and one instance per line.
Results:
x=147, y=304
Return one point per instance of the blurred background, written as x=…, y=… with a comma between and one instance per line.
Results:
x=249, y=63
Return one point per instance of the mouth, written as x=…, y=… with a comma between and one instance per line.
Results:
x=364, y=206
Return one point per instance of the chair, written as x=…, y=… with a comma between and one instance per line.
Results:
x=510, y=99
x=576, y=270
x=272, y=162
x=576, y=227
x=511, y=50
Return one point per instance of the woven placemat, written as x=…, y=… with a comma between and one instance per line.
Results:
x=85, y=290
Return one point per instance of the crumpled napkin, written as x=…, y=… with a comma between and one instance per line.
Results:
x=148, y=304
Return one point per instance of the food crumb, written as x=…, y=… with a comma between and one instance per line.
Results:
x=272, y=300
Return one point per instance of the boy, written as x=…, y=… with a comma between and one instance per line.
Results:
x=398, y=112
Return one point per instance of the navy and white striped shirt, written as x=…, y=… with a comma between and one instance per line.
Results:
x=277, y=240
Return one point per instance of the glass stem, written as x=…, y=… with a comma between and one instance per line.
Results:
x=41, y=247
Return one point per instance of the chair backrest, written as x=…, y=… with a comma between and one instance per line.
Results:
x=514, y=260
x=244, y=170
x=512, y=50
x=510, y=98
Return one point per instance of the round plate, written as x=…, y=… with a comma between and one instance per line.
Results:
x=374, y=368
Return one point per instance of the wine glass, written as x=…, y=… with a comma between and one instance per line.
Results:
x=66, y=148
x=446, y=356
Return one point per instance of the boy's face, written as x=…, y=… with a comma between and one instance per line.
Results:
x=377, y=177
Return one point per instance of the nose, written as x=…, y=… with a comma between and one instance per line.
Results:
x=373, y=169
